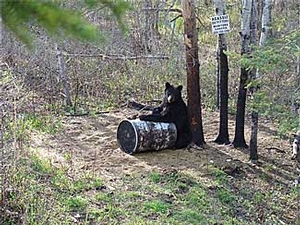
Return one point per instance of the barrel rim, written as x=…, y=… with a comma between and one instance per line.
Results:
x=135, y=132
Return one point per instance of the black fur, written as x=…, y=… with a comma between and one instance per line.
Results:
x=173, y=110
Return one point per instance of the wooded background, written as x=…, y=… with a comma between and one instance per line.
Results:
x=136, y=64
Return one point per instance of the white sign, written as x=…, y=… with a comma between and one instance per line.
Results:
x=220, y=24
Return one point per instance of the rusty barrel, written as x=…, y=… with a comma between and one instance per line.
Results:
x=139, y=136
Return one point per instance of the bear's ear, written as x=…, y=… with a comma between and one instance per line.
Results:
x=167, y=85
x=179, y=88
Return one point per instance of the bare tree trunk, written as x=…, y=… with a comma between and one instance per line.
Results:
x=217, y=77
x=265, y=22
x=63, y=76
x=147, y=31
x=239, y=137
x=254, y=113
x=192, y=67
x=2, y=155
x=298, y=57
x=222, y=64
x=265, y=32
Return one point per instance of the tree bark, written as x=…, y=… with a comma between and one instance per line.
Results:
x=192, y=68
x=217, y=95
x=63, y=76
x=265, y=22
x=147, y=32
x=239, y=137
x=253, y=76
x=222, y=65
x=265, y=32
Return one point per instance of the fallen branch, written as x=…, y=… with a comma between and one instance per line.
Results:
x=275, y=148
x=138, y=106
x=123, y=58
x=163, y=10
x=91, y=113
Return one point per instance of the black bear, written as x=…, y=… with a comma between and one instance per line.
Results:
x=173, y=110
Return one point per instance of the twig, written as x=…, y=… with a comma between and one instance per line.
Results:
x=172, y=20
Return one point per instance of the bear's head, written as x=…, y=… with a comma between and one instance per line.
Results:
x=172, y=94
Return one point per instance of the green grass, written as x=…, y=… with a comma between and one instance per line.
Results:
x=156, y=206
x=76, y=203
x=47, y=195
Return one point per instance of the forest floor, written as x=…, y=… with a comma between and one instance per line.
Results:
x=251, y=194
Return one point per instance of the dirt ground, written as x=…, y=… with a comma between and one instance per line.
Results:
x=89, y=143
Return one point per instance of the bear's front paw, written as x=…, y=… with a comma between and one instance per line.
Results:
x=142, y=117
x=133, y=117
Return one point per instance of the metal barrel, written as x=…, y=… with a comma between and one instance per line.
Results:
x=139, y=136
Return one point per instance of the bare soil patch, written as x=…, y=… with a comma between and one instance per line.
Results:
x=89, y=143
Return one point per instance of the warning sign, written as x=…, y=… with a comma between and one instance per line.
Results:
x=220, y=24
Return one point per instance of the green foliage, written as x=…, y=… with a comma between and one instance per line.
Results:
x=189, y=216
x=266, y=106
x=259, y=102
x=288, y=122
x=225, y=196
x=275, y=55
x=18, y=16
x=31, y=122
x=156, y=206
x=76, y=203
x=40, y=166
x=21, y=127
x=155, y=177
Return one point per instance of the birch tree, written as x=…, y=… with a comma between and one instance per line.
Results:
x=254, y=113
x=239, y=137
x=265, y=22
x=222, y=80
x=265, y=32
x=192, y=68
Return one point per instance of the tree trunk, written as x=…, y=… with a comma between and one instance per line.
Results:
x=265, y=32
x=192, y=68
x=239, y=137
x=2, y=154
x=265, y=22
x=147, y=31
x=63, y=76
x=223, y=137
x=253, y=75
x=217, y=102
